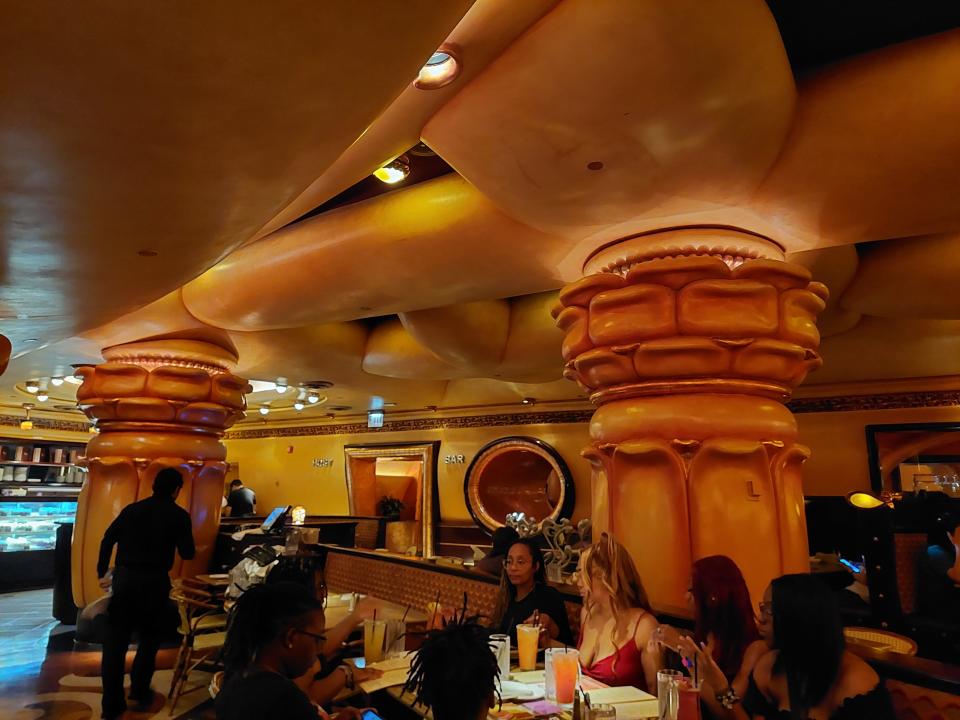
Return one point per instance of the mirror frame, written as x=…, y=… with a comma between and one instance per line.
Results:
x=873, y=448
x=471, y=496
x=429, y=453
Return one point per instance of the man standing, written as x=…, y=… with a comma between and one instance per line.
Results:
x=146, y=534
x=241, y=499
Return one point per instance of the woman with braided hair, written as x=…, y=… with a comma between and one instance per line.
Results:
x=455, y=671
x=275, y=642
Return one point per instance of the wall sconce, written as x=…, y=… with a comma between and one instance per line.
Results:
x=298, y=515
x=868, y=500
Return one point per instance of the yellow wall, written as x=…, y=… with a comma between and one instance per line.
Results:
x=280, y=469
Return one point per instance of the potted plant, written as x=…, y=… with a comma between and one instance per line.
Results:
x=401, y=535
x=390, y=507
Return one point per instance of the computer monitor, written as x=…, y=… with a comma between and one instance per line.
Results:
x=274, y=521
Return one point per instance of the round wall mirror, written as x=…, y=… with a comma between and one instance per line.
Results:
x=517, y=474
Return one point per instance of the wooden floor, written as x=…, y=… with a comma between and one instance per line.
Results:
x=43, y=676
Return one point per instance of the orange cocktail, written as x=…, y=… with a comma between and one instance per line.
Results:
x=566, y=674
x=528, y=639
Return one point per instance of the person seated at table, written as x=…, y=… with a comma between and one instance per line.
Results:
x=808, y=672
x=526, y=598
x=454, y=672
x=724, y=622
x=616, y=622
x=275, y=637
x=492, y=562
x=938, y=591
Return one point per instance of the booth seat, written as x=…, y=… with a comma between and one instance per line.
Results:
x=417, y=582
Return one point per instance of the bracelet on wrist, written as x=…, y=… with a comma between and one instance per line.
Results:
x=728, y=698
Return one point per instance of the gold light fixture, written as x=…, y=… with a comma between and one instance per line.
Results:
x=298, y=515
x=441, y=69
x=393, y=172
x=42, y=396
x=32, y=386
x=298, y=406
x=26, y=423
x=56, y=381
x=868, y=500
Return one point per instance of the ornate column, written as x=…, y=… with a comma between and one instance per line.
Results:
x=690, y=342
x=157, y=404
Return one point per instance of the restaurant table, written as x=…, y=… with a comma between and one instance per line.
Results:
x=219, y=581
x=338, y=608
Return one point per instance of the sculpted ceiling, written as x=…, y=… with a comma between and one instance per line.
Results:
x=160, y=173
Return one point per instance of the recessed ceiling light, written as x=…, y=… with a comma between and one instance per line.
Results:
x=264, y=410
x=42, y=396
x=528, y=401
x=56, y=381
x=32, y=386
x=440, y=70
x=313, y=398
x=298, y=406
x=393, y=172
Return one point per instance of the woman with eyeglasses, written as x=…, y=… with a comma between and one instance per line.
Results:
x=616, y=622
x=808, y=673
x=525, y=597
x=275, y=639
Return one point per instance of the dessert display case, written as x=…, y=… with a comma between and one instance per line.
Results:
x=28, y=536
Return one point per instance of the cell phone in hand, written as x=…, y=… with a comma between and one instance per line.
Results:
x=370, y=715
x=855, y=567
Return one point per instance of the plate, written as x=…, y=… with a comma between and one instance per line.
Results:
x=510, y=690
x=218, y=576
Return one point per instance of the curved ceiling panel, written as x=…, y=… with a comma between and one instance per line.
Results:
x=533, y=346
x=888, y=349
x=467, y=335
x=604, y=112
x=835, y=267
x=873, y=152
x=438, y=243
x=484, y=32
x=914, y=278
x=129, y=127
x=391, y=351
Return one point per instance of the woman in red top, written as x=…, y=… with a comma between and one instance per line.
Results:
x=616, y=622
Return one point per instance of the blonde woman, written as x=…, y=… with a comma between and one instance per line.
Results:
x=616, y=622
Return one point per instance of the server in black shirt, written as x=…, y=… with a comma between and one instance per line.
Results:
x=146, y=534
x=241, y=500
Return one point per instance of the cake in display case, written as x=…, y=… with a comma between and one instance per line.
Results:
x=32, y=524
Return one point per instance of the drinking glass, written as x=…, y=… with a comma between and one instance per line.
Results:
x=373, y=632
x=667, y=694
x=395, y=638
x=528, y=639
x=603, y=712
x=500, y=644
x=566, y=674
x=688, y=700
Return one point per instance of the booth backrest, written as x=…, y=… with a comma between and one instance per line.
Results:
x=912, y=702
x=417, y=585
x=907, y=548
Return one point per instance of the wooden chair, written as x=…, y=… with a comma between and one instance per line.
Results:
x=202, y=624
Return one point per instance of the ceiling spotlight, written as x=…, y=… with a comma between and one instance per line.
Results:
x=56, y=381
x=42, y=396
x=298, y=406
x=281, y=386
x=32, y=386
x=440, y=70
x=393, y=172
x=264, y=410
x=528, y=401
x=313, y=398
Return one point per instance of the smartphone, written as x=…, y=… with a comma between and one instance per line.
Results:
x=852, y=565
x=370, y=715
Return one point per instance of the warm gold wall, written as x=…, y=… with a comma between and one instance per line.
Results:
x=280, y=469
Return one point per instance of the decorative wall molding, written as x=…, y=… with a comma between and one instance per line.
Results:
x=417, y=424
x=40, y=423
x=880, y=401
x=844, y=403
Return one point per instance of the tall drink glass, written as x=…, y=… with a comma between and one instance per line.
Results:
x=500, y=644
x=566, y=675
x=667, y=694
x=688, y=700
x=528, y=639
x=373, y=632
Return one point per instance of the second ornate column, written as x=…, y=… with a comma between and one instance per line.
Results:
x=690, y=342
x=156, y=404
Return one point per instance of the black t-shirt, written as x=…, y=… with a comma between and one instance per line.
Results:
x=548, y=601
x=262, y=695
x=241, y=501
x=146, y=534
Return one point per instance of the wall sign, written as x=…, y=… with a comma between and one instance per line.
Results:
x=322, y=462
x=454, y=459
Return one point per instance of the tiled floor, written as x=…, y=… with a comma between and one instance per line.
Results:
x=43, y=677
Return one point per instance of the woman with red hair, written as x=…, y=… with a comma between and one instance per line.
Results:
x=724, y=621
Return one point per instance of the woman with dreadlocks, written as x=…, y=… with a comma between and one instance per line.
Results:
x=454, y=673
x=274, y=643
